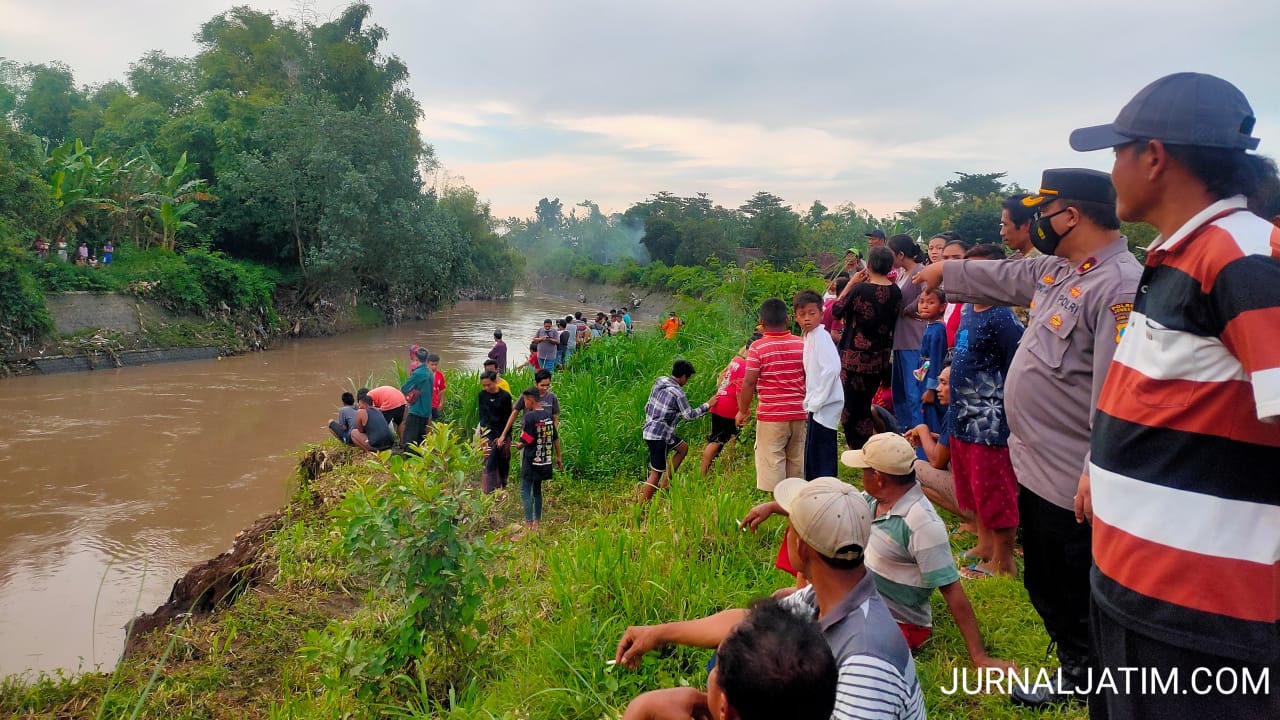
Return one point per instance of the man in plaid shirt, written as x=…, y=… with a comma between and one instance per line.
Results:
x=667, y=406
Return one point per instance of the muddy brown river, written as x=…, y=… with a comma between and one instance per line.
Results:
x=115, y=482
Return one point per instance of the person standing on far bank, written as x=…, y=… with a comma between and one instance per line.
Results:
x=1080, y=294
x=1181, y=489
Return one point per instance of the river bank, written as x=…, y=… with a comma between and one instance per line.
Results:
x=316, y=633
x=96, y=330
x=305, y=637
x=119, y=480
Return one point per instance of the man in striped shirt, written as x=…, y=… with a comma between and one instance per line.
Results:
x=1182, y=492
x=775, y=371
x=826, y=540
x=909, y=552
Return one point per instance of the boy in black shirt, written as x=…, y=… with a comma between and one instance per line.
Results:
x=495, y=407
x=538, y=440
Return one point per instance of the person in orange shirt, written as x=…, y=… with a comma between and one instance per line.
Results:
x=671, y=325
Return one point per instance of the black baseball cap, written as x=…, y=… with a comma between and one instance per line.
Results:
x=1073, y=184
x=1180, y=109
x=877, y=233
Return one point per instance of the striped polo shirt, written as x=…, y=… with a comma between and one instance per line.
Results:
x=910, y=554
x=779, y=358
x=1186, y=444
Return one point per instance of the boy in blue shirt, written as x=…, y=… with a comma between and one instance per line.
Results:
x=933, y=352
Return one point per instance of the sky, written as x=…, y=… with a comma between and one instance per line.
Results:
x=870, y=102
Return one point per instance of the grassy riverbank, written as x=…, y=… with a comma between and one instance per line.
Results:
x=327, y=636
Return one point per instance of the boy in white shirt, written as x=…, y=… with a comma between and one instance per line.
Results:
x=823, y=393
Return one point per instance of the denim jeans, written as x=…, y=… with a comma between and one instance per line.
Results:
x=907, y=389
x=531, y=477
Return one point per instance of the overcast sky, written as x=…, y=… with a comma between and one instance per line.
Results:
x=871, y=102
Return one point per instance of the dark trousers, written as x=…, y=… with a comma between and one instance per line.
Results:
x=415, y=429
x=1057, y=555
x=859, y=389
x=1118, y=647
x=497, y=468
x=820, y=451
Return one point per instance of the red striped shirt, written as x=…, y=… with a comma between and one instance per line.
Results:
x=779, y=358
x=1186, y=445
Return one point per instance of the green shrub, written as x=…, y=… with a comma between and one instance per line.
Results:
x=53, y=275
x=22, y=310
x=418, y=537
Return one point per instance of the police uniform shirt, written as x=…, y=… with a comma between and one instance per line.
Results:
x=1077, y=315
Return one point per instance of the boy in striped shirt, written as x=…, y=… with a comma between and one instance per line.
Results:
x=775, y=371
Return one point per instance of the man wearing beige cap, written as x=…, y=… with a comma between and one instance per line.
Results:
x=826, y=540
x=909, y=552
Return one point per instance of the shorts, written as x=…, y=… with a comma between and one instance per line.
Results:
x=985, y=483
x=915, y=634
x=658, y=451
x=395, y=416
x=437, y=414
x=722, y=429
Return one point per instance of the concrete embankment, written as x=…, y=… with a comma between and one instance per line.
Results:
x=123, y=358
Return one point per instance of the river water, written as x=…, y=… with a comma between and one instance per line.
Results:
x=115, y=482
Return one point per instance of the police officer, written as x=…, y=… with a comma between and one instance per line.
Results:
x=1080, y=295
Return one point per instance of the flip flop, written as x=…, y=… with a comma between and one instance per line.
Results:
x=973, y=572
x=968, y=557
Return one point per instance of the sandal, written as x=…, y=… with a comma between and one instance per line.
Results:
x=969, y=557
x=973, y=572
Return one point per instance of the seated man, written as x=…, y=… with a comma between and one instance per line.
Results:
x=391, y=403
x=934, y=472
x=372, y=432
x=773, y=664
x=826, y=540
x=909, y=553
x=910, y=550
x=341, y=428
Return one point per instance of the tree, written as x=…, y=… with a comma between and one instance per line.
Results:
x=46, y=107
x=662, y=238
x=817, y=213
x=776, y=231
x=702, y=240
x=760, y=202
x=75, y=183
x=347, y=67
x=972, y=186
x=166, y=81
x=550, y=214
x=174, y=198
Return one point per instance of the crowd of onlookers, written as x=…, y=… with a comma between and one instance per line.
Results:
x=388, y=417
x=1102, y=427
x=80, y=255
x=1108, y=420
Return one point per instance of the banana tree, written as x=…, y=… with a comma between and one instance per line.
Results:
x=174, y=198
x=75, y=182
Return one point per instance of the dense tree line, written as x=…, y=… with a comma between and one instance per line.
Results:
x=693, y=231
x=285, y=141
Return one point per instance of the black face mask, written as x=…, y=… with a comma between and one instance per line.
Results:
x=1043, y=236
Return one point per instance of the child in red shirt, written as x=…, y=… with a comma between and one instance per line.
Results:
x=724, y=409
x=437, y=388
